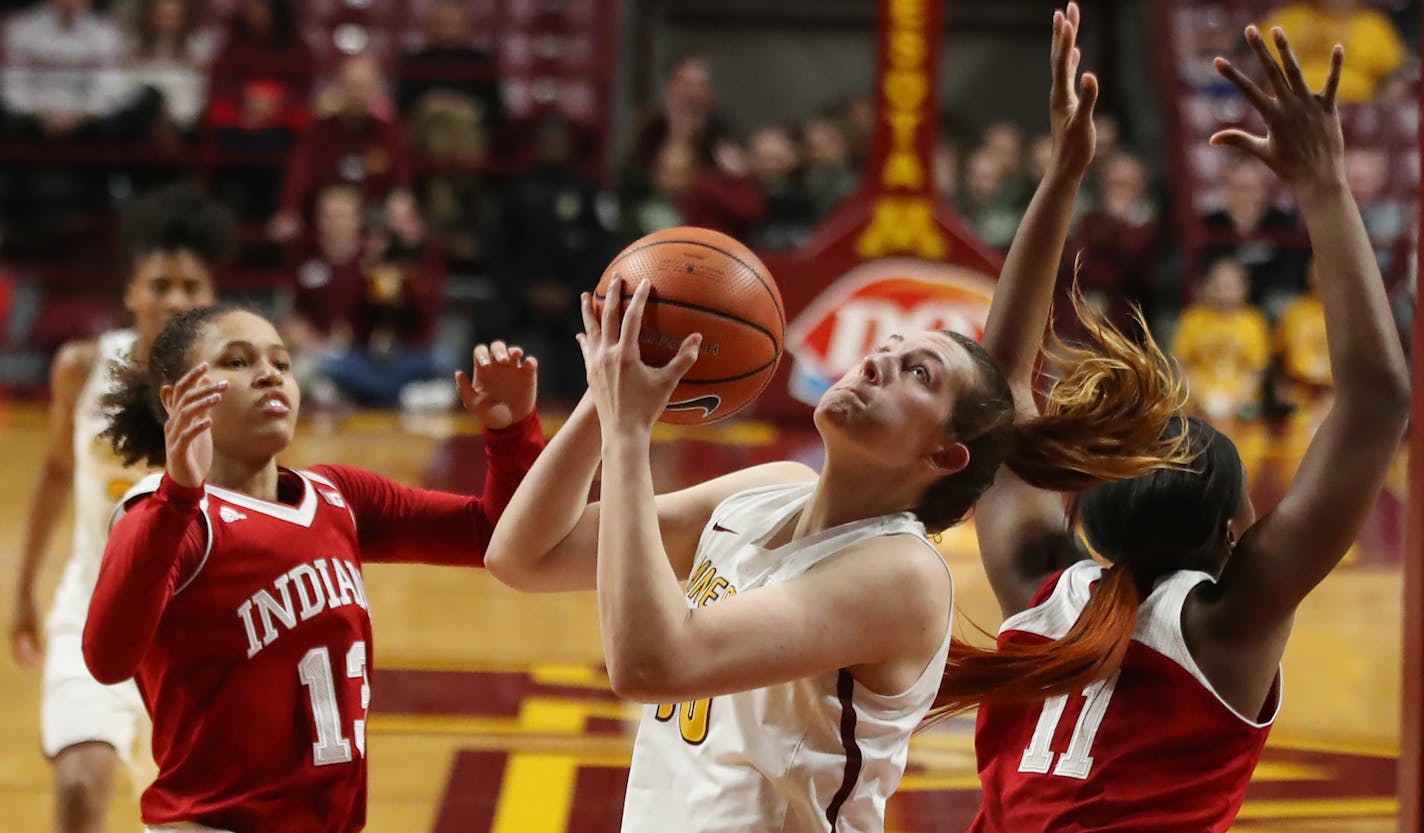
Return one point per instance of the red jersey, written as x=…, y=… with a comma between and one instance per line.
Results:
x=1152, y=748
x=246, y=626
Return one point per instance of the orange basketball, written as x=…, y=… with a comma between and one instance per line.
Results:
x=704, y=282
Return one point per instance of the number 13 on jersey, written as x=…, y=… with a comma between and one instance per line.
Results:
x=314, y=671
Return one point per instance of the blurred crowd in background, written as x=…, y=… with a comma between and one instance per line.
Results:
x=399, y=194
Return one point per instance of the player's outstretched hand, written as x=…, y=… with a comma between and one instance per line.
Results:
x=502, y=387
x=1303, y=144
x=188, y=431
x=629, y=394
x=1070, y=109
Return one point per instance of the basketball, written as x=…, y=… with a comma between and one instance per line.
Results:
x=704, y=282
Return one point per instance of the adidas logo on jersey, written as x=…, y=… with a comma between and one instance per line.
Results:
x=333, y=498
x=229, y=514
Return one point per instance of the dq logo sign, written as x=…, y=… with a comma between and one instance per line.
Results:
x=874, y=301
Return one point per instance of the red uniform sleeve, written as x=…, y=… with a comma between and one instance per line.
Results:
x=151, y=550
x=399, y=523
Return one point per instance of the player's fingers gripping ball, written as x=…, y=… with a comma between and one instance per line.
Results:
x=704, y=282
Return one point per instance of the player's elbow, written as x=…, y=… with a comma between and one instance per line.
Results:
x=512, y=570
x=633, y=684
x=1394, y=392
x=641, y=677
x=1380, y=399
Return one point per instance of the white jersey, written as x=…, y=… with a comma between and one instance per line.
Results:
x=821, y=753
x=100, y=479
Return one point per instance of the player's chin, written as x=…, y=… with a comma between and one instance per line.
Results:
x=273, y=432
x=841, y=412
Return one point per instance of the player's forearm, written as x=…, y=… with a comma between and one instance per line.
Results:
x=137, y=579
x=640, y=604
x=1365, y=353
x=510, y=453
x=551, y=498
x=50, y=494
x=1023, y=297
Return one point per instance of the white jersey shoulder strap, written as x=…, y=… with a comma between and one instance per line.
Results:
x=1159, y=627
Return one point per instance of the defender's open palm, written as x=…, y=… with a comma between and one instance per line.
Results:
x=1070, y=110
x=1303, y=143
x=503, y=387
x=628, y=393
x=188, y=431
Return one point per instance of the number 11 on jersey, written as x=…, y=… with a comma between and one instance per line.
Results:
x=1076, y=762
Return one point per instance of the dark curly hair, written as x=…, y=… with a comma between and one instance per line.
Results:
x=136, y=414
x=178, y=218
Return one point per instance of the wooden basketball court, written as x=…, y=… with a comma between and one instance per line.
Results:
x=490, y=711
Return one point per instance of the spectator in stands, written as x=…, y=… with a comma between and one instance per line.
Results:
x=259, y=99
x=551, y=242
x=1109, y=143
x=328, y=280
x=366, y=304
x=1264, y=238
x=1116, y=246
x=1222, y=345
x=986, y=203
x=1369, y=37
x=776, y=167
x=1301, y=348
x=394, y=358
x=261, y=80
x=830, y=175
x=946, y=170
x=362, y=143
x=1367, y=174
x=447, y=133
x=1003, y=141
x=1213, y=34
x=858, y=120
x=166, y=51
x=61, y=75
x=724, y=197
x=672, y=179
x=449, y=66
x=688, y=114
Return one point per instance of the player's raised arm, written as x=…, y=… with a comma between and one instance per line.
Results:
x=156, y=543
x=1021, y=529
x=1283, y=556
x=547, y=538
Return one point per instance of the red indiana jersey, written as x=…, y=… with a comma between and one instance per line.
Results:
x=247, y=626
x=1152, y=748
